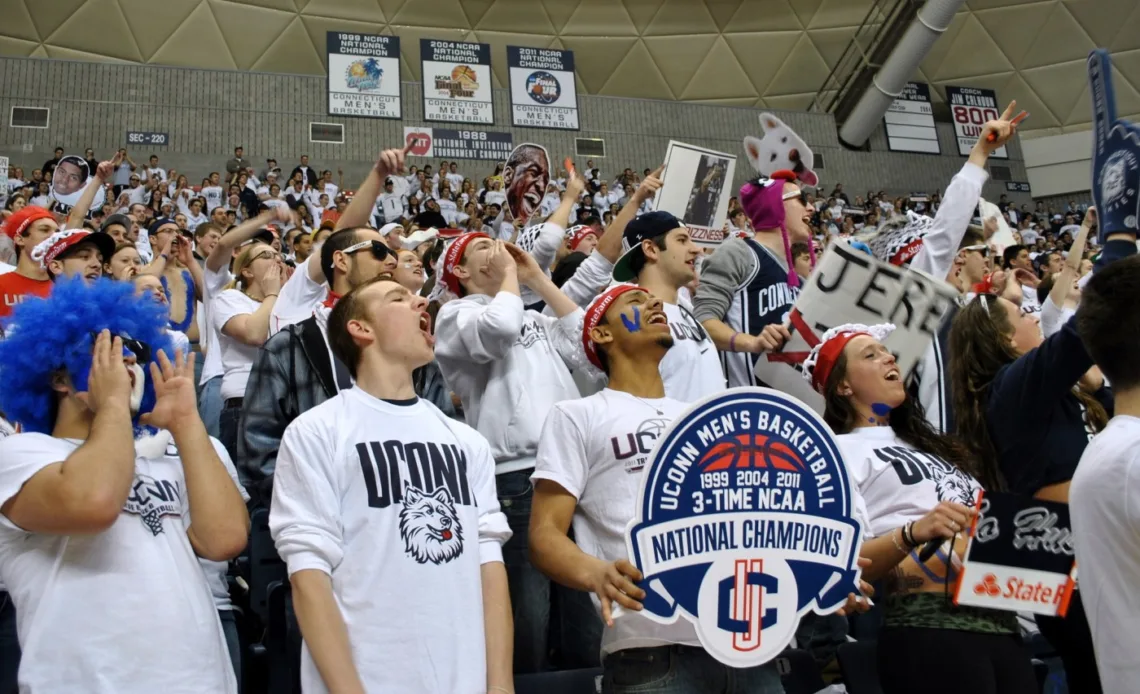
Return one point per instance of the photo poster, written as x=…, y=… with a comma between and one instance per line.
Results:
x=543, y=93
x=457, y=81
x=850, y=286
x=526, y=174
x=1003, y=238
x=970, y=108
x=68, y=180
x=696, y=188
x=1020, y=557
x=363, y=75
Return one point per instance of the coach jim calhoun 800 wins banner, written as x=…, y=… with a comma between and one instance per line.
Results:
x=543, y=94
x=746, y=518
x=364, y=75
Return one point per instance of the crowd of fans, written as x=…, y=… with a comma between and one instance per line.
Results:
x=475, y=368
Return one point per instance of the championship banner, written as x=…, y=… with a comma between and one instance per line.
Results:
x=1020, y=557
x=909, y=121
x=744, y=523
x=696, y=189
x=850, y=286
x=1116, y=155
x=970, y=108
x=543, y=93
x=363, y=75
x=457, y=81
x=446, y=143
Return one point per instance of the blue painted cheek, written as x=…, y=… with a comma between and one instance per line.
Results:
x=634, y=325
x=881, y=409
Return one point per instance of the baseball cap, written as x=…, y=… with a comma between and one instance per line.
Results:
x=648, y=226
x=120, y=219
x=159, y=223
x=61, y=242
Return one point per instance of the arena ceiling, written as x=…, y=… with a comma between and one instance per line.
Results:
x=767, y=53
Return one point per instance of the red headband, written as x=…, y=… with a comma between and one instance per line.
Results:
x=829, y=354
x=594, y=313
x=580, y=236
x=454, y=255
x=21, y=220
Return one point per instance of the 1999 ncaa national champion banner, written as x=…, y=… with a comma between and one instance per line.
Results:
x=543, y=93
x=363, y=75
x=746, y=518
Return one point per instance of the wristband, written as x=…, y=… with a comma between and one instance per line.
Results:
x=732, y=341
x=164, y=256
x=895, y=539
x=908, y=535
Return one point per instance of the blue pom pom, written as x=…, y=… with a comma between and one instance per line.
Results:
x=46, y=335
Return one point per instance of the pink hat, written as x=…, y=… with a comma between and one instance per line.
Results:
x=763, y=202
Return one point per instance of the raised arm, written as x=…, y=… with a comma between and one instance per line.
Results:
x=102, y=174
x=359, y=211
x=609, y=245
x=223, y=251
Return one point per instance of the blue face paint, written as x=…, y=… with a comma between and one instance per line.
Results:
x=881, y=409
x=633, y=325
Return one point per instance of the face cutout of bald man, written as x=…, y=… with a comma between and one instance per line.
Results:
x=525, y=177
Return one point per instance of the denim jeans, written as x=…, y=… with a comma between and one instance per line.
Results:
x=210, y=406
x=529, y=588
x=233, y=641
x=228, y=430
x=683, y=670
x=9, y=645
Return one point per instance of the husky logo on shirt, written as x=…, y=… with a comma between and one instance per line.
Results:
x=912, y=467
x=531, y=333
x=430, y=526
x=152, y=500
x=634, y=447
x=745, y=522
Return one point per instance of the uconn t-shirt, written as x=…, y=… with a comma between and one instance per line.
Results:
x=691, y=368
x=763, y=298
x=397, y=504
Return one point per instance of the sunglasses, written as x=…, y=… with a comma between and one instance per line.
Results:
x=980, y=248
x=379, y=250
x=798, y=194
x=141, y=350
x=271, y=255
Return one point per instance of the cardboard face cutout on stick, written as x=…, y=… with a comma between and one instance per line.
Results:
x=1116, y=154
x=780, y=148
x=71, y=176
x=525, y=177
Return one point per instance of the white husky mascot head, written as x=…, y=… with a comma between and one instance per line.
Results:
x=780, y=148
x=430, y=526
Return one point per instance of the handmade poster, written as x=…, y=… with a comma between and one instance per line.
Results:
x=696, y=189
x=525, y=177
x=363, y=75
x=745, y=522
x=1020, y=557
x=849, y=286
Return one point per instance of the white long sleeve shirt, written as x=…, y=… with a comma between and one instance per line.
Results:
x=508, y=366
x=397, y=504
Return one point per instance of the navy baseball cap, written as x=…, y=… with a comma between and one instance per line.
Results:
x=648, y=226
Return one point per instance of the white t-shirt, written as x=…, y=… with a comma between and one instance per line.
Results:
x=596, y=448
x=398, y=505
x=494, y=197
x=125, y=611
x=298, y=297
x=156, y=170
x=448, y=209
x=898, y=483
x=691, y=368
x=213, y=195
x=1104, y=502
x=456, y=180
x=237, y=357
x=213, y=284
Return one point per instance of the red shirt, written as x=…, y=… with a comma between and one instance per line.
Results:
x=14, y=287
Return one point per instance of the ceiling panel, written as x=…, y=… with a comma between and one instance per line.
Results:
x=761, y=52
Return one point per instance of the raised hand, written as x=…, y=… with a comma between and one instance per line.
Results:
x=500, y=262
x=271, y=280
x=108, y=383
x=105, y=170
x=946, y=520
x=528, y=269
x=996, y=133
x=175, y=401
x=648, y=188
x=392, y=161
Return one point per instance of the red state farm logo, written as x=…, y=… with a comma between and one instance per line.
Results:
x=420, y=142
x=988, y=586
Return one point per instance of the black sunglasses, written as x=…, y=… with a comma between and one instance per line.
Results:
x=141, y=350
x=379, y=250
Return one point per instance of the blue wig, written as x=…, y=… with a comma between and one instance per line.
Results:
x=53, y=333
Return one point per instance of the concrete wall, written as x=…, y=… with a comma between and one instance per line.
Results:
x=208, y=112
x=1060, y=164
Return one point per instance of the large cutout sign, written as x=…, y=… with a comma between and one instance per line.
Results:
x=745, y=522
x=1116, y=154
